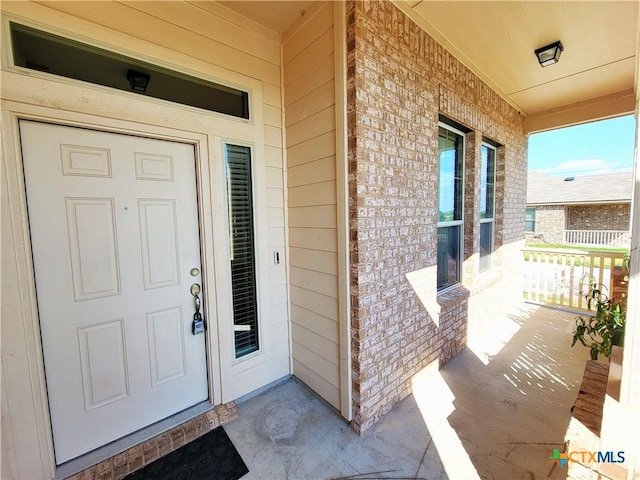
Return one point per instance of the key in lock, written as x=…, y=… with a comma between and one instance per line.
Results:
x=197, y=326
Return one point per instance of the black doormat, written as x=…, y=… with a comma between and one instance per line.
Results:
x=210, y=457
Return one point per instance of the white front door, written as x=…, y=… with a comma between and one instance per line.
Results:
x=114, y=232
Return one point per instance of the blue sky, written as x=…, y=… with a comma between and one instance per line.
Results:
x=598, y=147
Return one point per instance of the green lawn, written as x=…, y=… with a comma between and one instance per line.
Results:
x=577, y=248
x=557, y=258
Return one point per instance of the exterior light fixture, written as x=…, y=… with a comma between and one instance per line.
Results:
x=550, y=54
x=138, y=80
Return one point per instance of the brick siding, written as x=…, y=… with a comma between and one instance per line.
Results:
x=399, y=81
x=145, y=453
x=599, y=217
x=550, y=223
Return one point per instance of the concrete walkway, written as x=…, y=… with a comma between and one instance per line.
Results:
x=496, y=411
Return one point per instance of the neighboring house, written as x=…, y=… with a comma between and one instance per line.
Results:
x=325, y=183
x=589, y=210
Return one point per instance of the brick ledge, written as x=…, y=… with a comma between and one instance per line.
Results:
x=142, y=454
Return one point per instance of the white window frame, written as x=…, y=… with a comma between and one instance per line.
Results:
x=257, y=260
x=493, y=213
x=454, y=223
x=534, y=219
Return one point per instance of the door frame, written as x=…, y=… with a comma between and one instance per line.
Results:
x=77, y=104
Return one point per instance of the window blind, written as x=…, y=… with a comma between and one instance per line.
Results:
x=243, y=262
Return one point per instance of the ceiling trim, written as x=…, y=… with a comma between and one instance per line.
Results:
x=607, y=106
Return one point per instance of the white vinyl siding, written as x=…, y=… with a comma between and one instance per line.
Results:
x=309, y=89
x=202, y=39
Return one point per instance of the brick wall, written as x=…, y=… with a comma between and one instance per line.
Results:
x=399, y=81
x=599, y=217
x=550, y=223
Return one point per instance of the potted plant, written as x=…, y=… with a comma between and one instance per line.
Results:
x=605, y=328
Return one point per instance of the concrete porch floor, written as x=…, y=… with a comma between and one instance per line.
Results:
x=496, y=411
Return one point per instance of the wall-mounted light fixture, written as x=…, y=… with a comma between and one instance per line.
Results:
x=138, y=80
x=550, y=54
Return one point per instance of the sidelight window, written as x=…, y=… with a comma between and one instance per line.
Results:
x=242, y=244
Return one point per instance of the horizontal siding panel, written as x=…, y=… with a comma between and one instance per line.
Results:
x=314, y=238
x=315, y=194
x=280, y=333
x=272, y=116
x=275, y=198
x=314, y=149
x=323, y=326
x=326, y=390
x=313, y=361
x=318, y=216
x=317, y=76
x=280, y=314
x=275, y=217
x=320, y=345
x=297, y=42
x=127, y=20
x=273, y=156
x=315, y=52
x=213, y=27
x=274, y=177
x=317, y=260
x=323, y=283
x=276, y=239
x=313, y=172
x=277, y=275
x=315, y=302
x=271, y=95
x=237, y=19
x=313, y=126
x=278, y=295
x=273, y=136
x=317, y=100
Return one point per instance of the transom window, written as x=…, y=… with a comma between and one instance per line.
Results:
x=450, y=205
x=487, y=205
x=45, y=52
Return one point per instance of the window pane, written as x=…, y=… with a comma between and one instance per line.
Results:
x=50, y=53
x=448, y=255
x=243, y=264
x=486, y=245
x=450, y=150
x=530, y=220
x=487, y=182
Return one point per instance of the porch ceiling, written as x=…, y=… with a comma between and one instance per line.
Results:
x=594, y=79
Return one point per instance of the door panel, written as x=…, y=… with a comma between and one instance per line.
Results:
x=114, y=231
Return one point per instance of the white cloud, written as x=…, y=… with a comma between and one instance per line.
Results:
x=584, y=167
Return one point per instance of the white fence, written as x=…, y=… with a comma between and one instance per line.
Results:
x=562, y=277
x=604, y=238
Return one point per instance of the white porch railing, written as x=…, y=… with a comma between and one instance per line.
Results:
x=562, y=277
x=604, y=238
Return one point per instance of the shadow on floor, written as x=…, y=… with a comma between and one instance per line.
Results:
x=509, y=399
x=496, y=411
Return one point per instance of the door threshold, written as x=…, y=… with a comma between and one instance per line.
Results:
x=118, y=446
